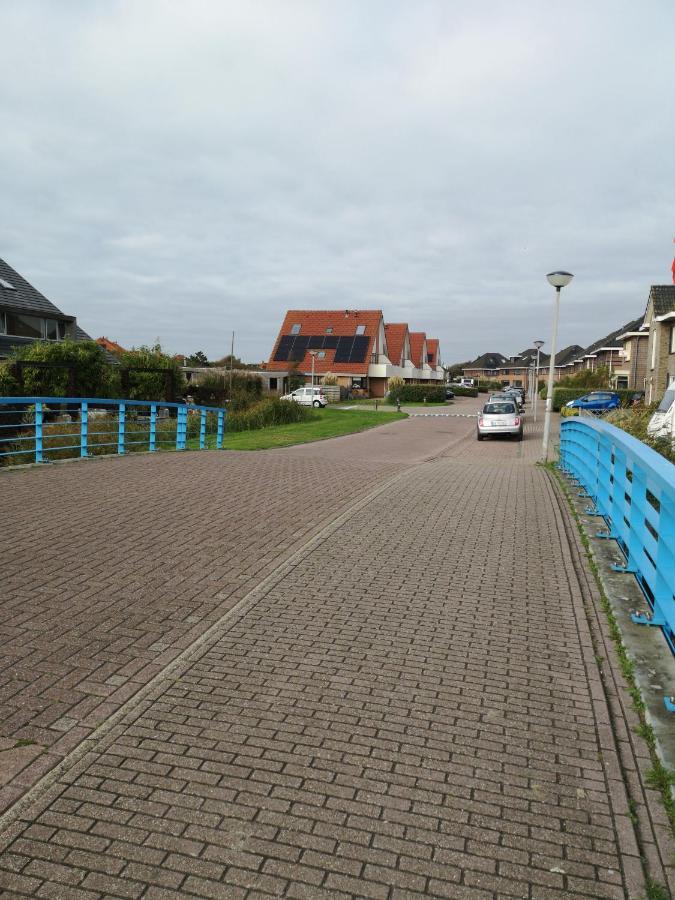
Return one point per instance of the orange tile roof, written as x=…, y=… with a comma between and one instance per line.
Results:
x=417, y=339
x=432, y=350
x=395, y=334
x=343, y=322
x=110, y=346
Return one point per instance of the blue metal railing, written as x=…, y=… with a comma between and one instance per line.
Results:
x=39, y=429
x=633, y=488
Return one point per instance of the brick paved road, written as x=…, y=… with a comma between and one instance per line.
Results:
x=405, y=704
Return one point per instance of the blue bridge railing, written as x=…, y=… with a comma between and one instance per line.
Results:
x=633, y=488
x=41, y=429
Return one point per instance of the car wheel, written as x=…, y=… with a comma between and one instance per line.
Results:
x=479, y=437
x=520, y=436
x=317, y=403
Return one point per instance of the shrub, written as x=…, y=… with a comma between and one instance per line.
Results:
x=9, y=386
x=330, y=378
x=635, y=422
x=460, y=391
x=269, y=412
x=151, y=385
x=416, y=393
x=213, y=389
x=487, y=385
x=87, y=358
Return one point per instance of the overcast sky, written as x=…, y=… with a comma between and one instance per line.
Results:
x=176, y=170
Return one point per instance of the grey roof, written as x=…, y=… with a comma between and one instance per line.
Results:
x=612, y=340
x=488, y=361
x=529, y=357
x=663, y=298
x=568, y=354
x=25, y=298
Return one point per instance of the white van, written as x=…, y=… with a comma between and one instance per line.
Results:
x=307, y=396
x=662, y=423
x=467, y=382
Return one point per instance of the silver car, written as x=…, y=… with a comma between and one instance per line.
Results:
x=499, y=417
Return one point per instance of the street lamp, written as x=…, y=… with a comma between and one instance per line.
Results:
x=538, y=345
x=558, y=280
x=313, y=353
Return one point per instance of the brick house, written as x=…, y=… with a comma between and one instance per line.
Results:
x=27, y=316
x=635, y=357
x=354, y=346
x=660, y=319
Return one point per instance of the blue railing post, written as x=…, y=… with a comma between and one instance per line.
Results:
x=38, y=432
x=202, y=430
x=152, y=443
x=84, y=428
x=221, y=429
x=181, y=428
x=121, y=428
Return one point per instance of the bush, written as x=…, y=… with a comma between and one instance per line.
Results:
x=330, y=378
x=269, y=412
x=9, y=386
x=485, y=386
x=87, y=358
x=635, y=422
x=151, y=385
x=460, y=391
x=562, y=395
x=213, y=389
x=416, y=393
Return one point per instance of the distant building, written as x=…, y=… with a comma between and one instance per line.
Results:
x=27, y=316
x=354, y=345
x=110, y=346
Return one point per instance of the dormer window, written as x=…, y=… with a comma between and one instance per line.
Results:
x=6, y=285
x=295, y=329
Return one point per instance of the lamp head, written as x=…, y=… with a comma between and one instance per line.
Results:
x=539, y=344
x=559, y=279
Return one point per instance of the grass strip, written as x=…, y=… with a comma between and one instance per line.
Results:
x=328, y=423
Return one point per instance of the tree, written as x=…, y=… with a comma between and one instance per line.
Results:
x=198, y=359
x=587, y=378
x=232, y=361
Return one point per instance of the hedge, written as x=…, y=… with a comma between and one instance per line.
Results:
x=561, y=396
x=418, y=393
x=460, y=391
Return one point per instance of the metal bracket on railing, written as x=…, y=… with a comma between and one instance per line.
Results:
x=669, y=703
x=606, y=535
x=592, y=511
x=623, y=570
x=646, y=619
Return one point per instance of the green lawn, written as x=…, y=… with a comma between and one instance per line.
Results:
x=328, y=423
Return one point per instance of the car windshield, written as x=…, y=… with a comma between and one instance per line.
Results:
x=498, y=409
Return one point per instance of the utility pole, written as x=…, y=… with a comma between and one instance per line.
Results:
x=231, y=364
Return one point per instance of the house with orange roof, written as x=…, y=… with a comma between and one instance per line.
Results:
x=354, y=345
x=110, y=346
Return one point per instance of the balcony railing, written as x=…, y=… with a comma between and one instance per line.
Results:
x=42, y=429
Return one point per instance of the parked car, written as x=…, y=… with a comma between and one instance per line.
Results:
x=467, y=382
x=499, y=417
x=662, y=423
x=449, y=395
x=307, y=396
x=517, y=394
x=597, y=402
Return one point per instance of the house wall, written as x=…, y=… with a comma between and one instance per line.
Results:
x=660, y=362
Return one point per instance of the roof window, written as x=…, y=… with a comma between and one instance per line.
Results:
x=360, y=329
x=6, y=285
x=329, y=330
x=295, y=329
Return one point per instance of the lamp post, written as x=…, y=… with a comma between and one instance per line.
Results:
x=313, y=353
x=538, y=345
x=558, y=280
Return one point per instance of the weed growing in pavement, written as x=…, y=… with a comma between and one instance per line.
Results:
x=24, y=742
x=658, y=777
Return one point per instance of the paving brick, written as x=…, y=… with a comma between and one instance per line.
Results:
x=402, y=712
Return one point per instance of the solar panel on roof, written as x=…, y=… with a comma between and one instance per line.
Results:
x=284, y=348
x=359, y=348
x=330, y=341
x=344, y=349
x=315, y=342
x=299, y=348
